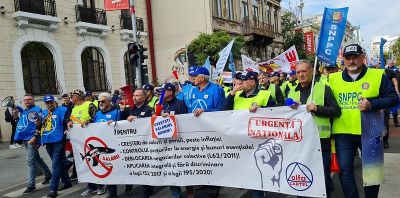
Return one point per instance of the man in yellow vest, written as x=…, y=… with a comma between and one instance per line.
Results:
x=247, y=95
x=357, y=89
x=89, y=97
x=83, y=113
x=151, y=99
x=322, y=105
x=276, y=93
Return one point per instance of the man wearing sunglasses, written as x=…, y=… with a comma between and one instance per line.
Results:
x=108, y=113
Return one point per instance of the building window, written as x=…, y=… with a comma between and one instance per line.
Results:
x=217, y=8
x=38, y=70
x=245, y=11
x=276, y=20
x=229, y=7
x=255, y=10
x=129, y=71
x=269, y=14
x=94, y=70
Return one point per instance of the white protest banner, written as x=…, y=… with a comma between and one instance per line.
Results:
x=223, y=57
x=275, y=149
x=285, y=61
x=249, y=64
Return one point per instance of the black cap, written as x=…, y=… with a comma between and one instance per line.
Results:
x=353, y=49
x=237, y=75
x=168, y=86
x=65, y=95
x=148, y=87
x=274, y=74
x=250, y=76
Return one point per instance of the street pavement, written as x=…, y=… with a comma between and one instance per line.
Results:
x=13, y=173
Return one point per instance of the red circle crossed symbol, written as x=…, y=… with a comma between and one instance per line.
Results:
x=87, y=149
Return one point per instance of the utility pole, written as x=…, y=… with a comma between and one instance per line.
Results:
x=135, y=40
x=301, y=6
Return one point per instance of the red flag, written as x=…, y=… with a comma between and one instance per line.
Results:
x=175, y=73
x=309, y=42
x=110, y=5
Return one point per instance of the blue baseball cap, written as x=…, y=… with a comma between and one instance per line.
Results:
x=148, y=87
x=250, y=76
x=274, y=74
x=168, y=86
x=49, y=98
x=192, y=69
x=200, y=70
x=88, y=93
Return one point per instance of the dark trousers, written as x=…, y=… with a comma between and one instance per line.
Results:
x=386, y=120
x=346, y=148
x=13, y=129
x=57, y=155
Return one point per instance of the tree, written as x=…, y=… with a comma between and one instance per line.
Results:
x=396, y=51
x=210, y=44
x=292, y=35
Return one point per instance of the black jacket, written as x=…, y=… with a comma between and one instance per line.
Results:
x=141, y=112
x=175, y=105
x=330, y=109
x=278, y=93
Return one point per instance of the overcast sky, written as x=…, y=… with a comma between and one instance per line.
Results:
x=375, y=17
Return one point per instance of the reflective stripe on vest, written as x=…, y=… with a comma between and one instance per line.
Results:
x=153, y=102
x=227, y=91
x=81, y=112
x=323, y=123
x=347, y=94
x=272, y=89
x=245, y=103
x=283, y=88
x=96, y=103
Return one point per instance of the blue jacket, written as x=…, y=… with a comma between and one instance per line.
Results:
x=25, y=128
x=56, y=132
x=211, y=98
x=111, y=114
x=187, y=93
x=387, y=95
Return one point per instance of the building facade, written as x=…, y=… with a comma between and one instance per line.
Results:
x=313, y=24
x=387, y=48
x=178, y=22
x=54, y=47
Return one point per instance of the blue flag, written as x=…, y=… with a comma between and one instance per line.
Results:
x=382, y=56
x=232, y=64
x=332, y=30
x=207, y=64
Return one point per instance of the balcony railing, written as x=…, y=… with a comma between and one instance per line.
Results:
x=258, y=27
x=89, y=15
x=43, y=7
x=126, y=23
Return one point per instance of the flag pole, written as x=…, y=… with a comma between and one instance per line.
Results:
x=313, y=79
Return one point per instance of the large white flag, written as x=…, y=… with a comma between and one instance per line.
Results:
x=275, y=149
x=285, y=62
x=223, y=57
x=249, y=64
